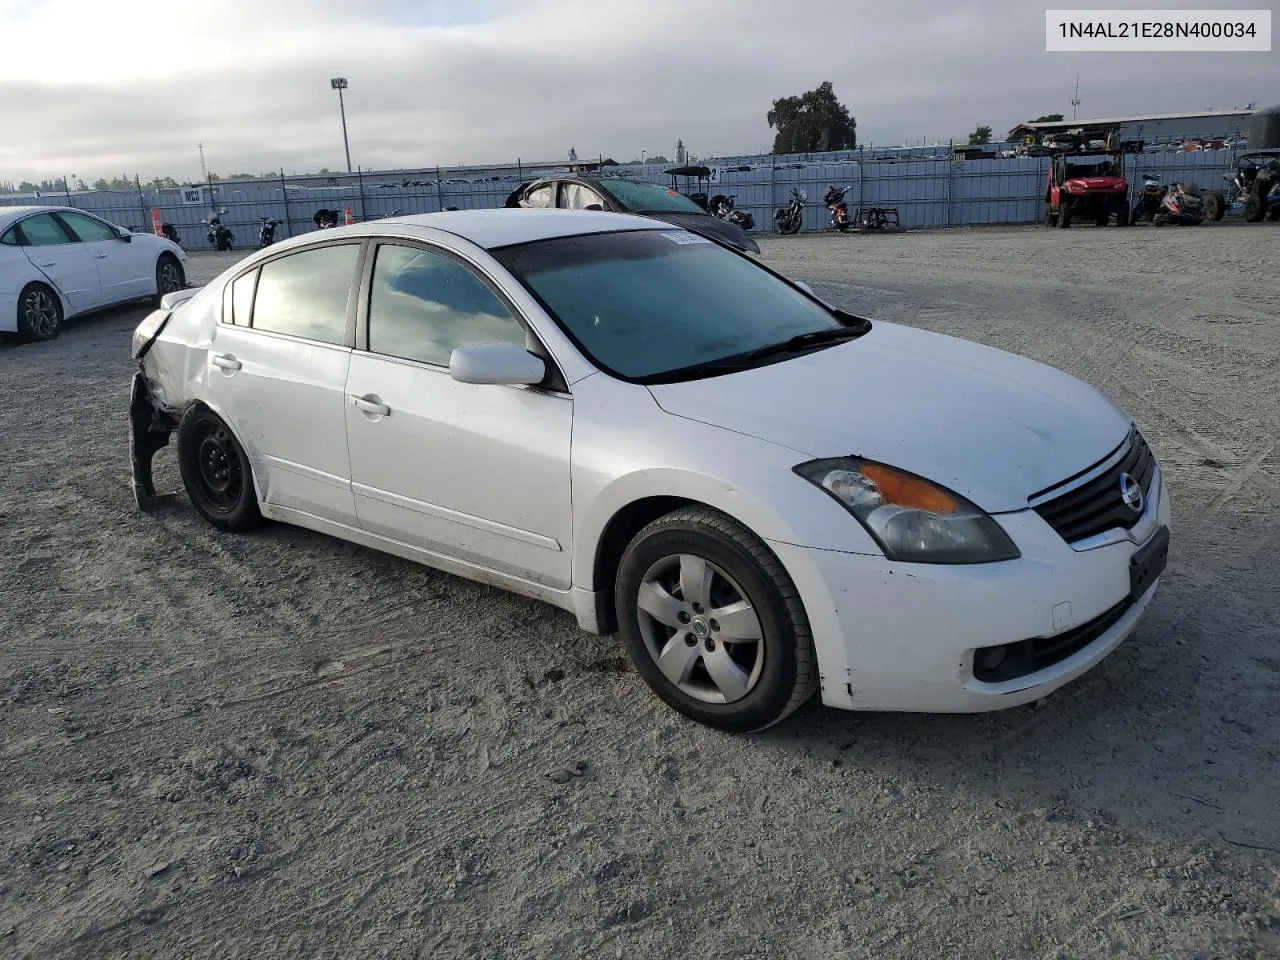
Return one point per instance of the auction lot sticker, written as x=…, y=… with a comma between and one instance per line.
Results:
x=1136, y=31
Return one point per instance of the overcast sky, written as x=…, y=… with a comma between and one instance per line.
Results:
x=98, y=89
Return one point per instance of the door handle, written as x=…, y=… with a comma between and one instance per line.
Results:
x=371, y=404
x=51, y=263
x=226, y=361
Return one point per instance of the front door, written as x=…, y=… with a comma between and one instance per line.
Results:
x=126, y=271
x=64, y=261
x=476, y=472
x=278, y=370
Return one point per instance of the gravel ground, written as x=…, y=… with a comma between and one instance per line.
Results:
x=281, y=745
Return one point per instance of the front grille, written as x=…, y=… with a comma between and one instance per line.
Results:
x=1012, y=660
x=1096, y=506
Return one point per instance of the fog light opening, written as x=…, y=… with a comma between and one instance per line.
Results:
x=991, y=658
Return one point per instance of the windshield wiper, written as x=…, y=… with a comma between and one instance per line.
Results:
x=803, y=341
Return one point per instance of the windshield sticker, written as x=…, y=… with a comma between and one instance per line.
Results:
x=685, y=238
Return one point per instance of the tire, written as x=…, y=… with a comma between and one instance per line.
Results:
x=216, y=471
x=1122, y=215
x=1049, y=219
x=1101, y=220
x=1254, y=208
x=1064, y=216
x=40, y=313
x=1214, y=206
x=765, y=678
x=169, y=276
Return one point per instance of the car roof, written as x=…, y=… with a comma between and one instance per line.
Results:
x=504, y=227
x=10, y=214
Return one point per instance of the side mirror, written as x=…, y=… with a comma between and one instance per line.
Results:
x=125, y=235
x=501, y=363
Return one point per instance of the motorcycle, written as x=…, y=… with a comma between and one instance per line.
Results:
x=326, y=219
x=788, y=219
x=721, y=206
x=1149, y=200
x=1182, y=204
x=220, y=236
x=834, y=199
x=267, y=231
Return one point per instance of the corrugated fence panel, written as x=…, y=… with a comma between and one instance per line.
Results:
x=928, y=186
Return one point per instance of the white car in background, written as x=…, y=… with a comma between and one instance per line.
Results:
x=765, y=495
x=59, y=262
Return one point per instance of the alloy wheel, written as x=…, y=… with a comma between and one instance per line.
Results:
x=41, y=312
x=700, y=628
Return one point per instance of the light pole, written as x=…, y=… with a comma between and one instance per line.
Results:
x=340, y=84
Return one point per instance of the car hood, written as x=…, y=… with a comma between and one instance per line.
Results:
x=991, y=426
x=709, y=226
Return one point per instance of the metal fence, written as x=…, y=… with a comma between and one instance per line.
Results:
x=938, y=190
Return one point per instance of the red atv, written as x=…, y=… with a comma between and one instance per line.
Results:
x=1086, y=188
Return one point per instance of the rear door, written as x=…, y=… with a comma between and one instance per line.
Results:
x=65, y=261
x=126, y=270
x=278, y=370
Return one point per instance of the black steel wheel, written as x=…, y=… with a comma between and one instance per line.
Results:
x=216, y=471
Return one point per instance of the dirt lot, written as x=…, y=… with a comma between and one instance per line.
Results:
x=280, y=745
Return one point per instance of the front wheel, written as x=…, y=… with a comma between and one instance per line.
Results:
x=216, y=471
x=1064, y=215
x=1255, y=208
x=1215, y=206
x=168, y=276
x=1122, y=215
x=713, y=622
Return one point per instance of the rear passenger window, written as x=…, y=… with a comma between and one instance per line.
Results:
x=305, y=294
x=242, y=299
x=542, y=197
x=10, y=237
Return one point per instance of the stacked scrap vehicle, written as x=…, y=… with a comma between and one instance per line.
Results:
x=1254, y=187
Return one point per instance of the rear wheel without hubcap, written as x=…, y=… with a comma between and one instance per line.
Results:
x=713, y=623
x=216, y=471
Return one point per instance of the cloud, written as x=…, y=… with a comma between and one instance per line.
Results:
x=101, y=89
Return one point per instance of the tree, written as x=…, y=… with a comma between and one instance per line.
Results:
x=101, y=184
x=981, y=134
x=812, y=122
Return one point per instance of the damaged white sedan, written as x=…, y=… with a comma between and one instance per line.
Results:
x=766, y=496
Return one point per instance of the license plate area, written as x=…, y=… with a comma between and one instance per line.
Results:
x=1148, y=563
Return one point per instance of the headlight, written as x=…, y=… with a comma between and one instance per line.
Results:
x=913, y=520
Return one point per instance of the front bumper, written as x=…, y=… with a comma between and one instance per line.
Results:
x=902, y=636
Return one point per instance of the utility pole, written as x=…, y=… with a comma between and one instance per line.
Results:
x=204, y=174
x=340, y=84
x=1075, y=100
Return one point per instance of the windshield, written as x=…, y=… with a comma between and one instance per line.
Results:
x=647, y=198
x=653, y=305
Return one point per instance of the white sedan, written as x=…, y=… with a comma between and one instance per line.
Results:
x=765, y=495
x=58, y=262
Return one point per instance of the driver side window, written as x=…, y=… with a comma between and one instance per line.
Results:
x=423, y=304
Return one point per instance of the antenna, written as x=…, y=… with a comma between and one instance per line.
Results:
x=1075, y=100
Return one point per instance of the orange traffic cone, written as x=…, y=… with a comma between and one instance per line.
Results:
x=350, y=217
